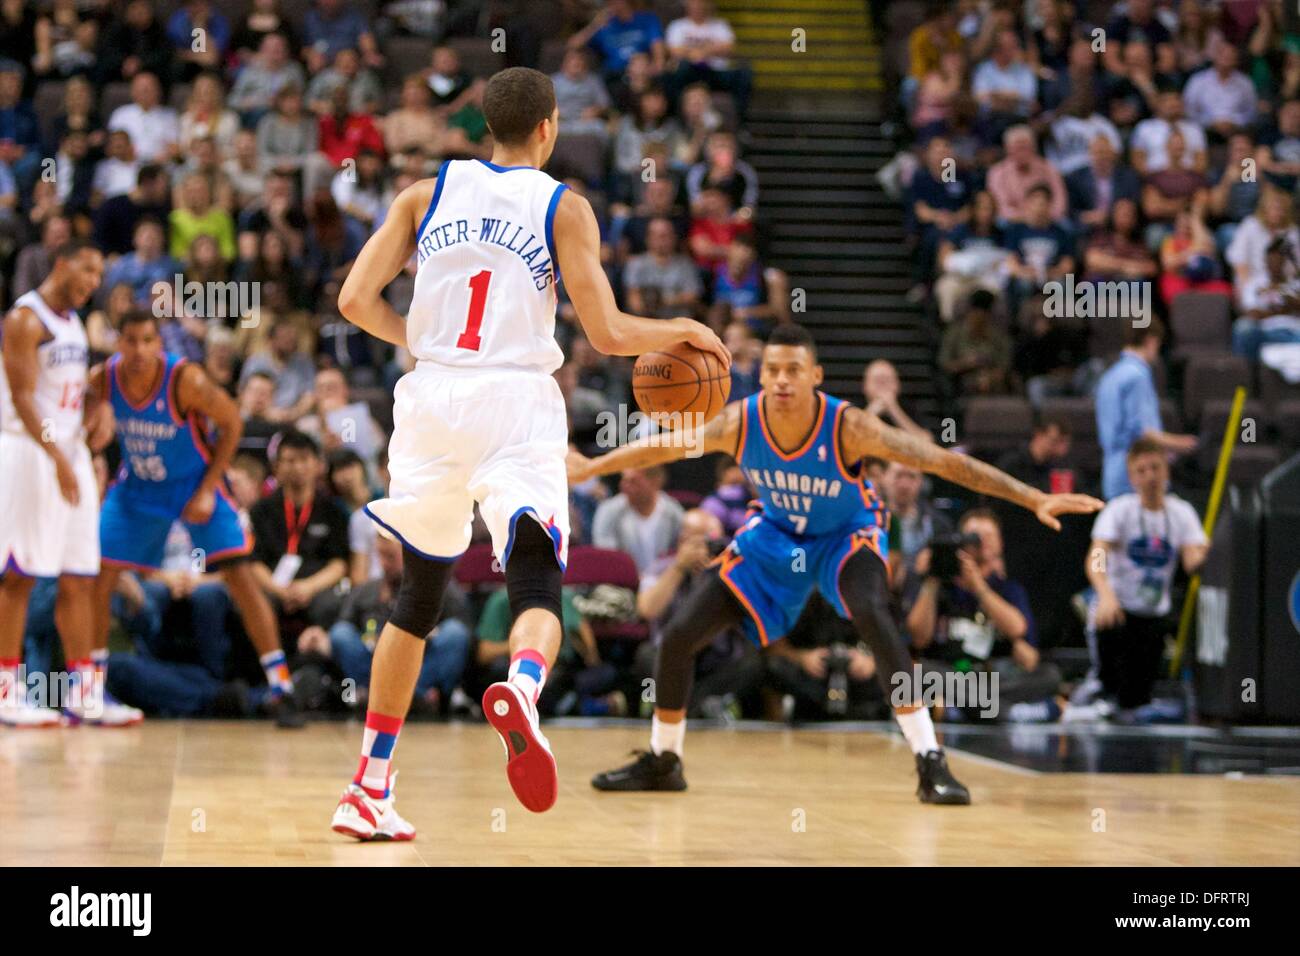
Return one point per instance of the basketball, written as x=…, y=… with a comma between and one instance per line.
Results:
x=681, y=380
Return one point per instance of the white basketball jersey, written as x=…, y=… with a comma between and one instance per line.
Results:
x=60, y=380
x=485, y=278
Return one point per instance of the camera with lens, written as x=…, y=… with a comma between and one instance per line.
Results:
x=943, y=553
x=837, y=680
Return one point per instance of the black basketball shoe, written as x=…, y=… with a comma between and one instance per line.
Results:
x=286, y=712
x=937, y=784
x=649, y=771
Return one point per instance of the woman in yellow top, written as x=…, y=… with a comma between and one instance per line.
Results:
x=200, y=216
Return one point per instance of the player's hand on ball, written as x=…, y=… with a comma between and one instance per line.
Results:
x=199, y=508
x=578, y=466
x=1052, y=505
x=706, y=340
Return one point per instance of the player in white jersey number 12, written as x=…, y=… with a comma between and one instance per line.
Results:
x=49, y=499
x=480, y=418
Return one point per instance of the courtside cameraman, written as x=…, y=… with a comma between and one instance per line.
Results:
x=964, y=614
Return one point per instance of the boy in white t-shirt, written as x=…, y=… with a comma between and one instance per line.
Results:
x=1137, y=541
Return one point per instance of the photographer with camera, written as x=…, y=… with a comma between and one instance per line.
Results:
x=730, y=670
x=964, y=614
x=827, y=671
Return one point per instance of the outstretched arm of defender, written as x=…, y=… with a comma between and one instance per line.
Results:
x=361, y=300
x=720, y=434
x=611, y=331
x=865, y=435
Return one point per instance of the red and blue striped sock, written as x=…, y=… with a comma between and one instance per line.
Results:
x=377, y=745
x=528, y=672
x=277, y=672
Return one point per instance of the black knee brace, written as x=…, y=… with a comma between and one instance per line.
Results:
x=419, y=599
x=533, y=574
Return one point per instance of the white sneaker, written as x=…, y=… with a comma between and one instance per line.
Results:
x=96, y=707
x=362, y=817
x=15, y=711
x=1096, y=712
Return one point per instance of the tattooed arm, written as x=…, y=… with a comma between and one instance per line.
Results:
x=866, y=435
x=720, y=434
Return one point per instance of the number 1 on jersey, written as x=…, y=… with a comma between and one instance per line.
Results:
x=478, y=288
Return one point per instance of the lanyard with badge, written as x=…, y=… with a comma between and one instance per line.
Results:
x=286, y=569
x=1151, y=588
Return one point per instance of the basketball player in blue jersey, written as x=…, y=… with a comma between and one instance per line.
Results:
x=178, y=433
x=818, y=523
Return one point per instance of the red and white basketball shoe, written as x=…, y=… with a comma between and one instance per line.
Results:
x=530, y=766
x=17, y=711
x=362, y=817
x=94, y=706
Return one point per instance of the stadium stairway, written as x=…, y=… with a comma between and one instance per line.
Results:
x=815, y=136
x=839, y=53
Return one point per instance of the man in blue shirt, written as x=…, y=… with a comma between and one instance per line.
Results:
x=618, y=32
x=330, y=26
x=1128, y=408
x=19, y=132
x=198, y=20
x=941, y=198
x=145, y=264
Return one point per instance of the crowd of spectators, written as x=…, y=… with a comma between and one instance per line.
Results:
x=1101, y=198
x=247, y=152
x=262, y=150
x=1154, y=143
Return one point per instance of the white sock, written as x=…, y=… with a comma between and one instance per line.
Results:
x=918, y=729
x=666, y=736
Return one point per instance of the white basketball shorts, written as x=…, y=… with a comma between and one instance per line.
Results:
x=487, y=435
x=41, y=535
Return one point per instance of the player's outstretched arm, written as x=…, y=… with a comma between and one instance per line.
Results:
x=865, y=435
x=361, y=300
x=611, y=331
x=720, y=434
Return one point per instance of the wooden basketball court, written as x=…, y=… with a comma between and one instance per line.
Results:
x=188, y=793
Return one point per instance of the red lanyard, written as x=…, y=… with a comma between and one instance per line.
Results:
x=293, y=524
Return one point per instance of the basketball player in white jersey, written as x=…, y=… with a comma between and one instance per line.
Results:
x=49, y=499
x=480, y=418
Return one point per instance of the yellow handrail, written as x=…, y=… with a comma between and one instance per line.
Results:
x=1211, y=514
